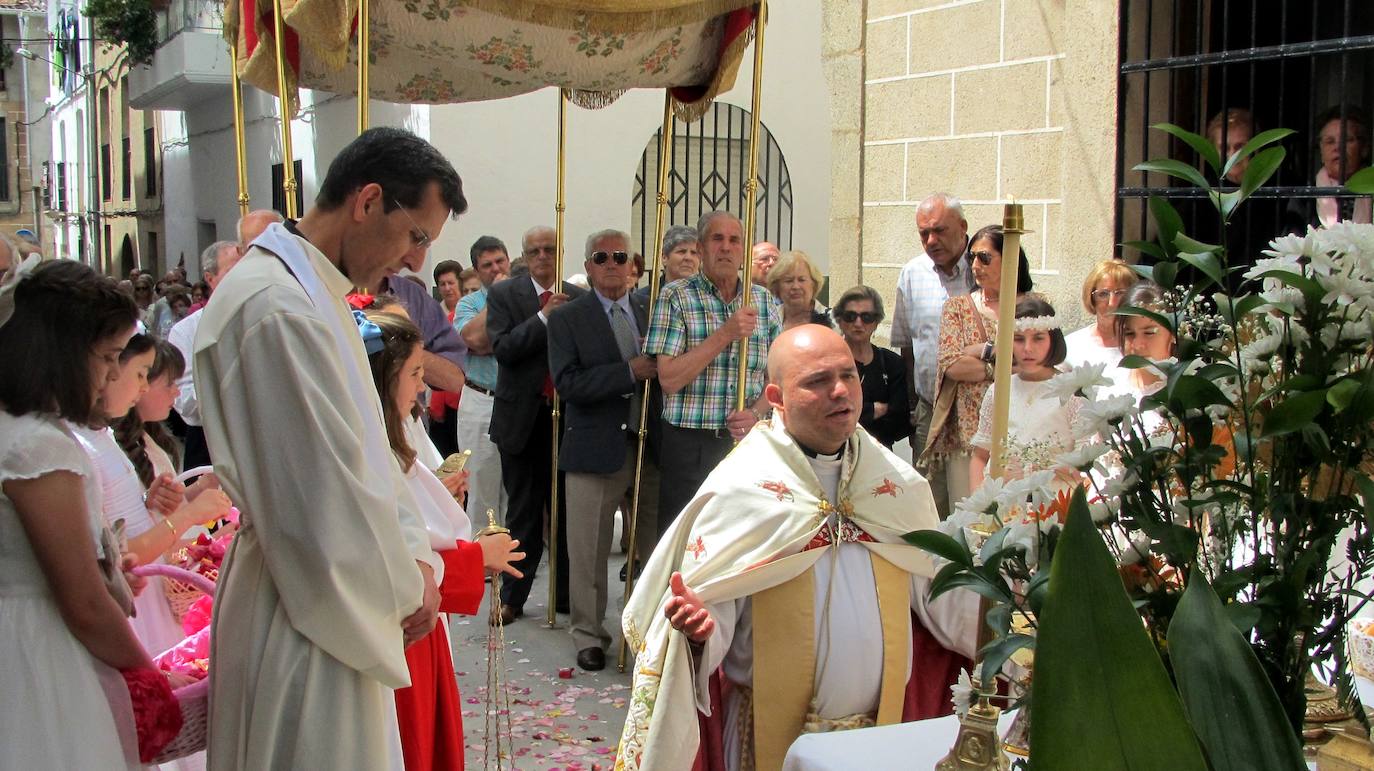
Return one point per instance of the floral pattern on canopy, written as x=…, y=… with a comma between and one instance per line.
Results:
x=442, y=51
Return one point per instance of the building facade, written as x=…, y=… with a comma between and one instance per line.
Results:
x=22, y=120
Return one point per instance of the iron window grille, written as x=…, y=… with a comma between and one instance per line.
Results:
x=1286, y=61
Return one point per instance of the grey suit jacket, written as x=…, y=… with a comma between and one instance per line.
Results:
x=595, y=383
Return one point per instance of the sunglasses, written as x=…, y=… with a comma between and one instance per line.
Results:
x=868, y=317
x=620, y=257
x=984, y=258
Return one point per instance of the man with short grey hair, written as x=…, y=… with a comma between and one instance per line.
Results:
x=215, y=263
x=697, y=360
x=597, y=363
x=940, y=272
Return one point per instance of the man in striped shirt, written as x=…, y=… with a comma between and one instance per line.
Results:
x=697, y=324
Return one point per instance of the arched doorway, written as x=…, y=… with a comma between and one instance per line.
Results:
x=710, y=164
x=127, y=261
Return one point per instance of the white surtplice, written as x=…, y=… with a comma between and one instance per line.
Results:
x=307, y=641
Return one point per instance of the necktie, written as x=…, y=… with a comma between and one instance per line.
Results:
x=548, y=390
x=628, y=343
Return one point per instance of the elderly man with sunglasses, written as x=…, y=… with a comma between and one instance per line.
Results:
x=598, y=366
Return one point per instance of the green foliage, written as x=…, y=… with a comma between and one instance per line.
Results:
x=1228, y=699
x=131, y=23
x=1102, y=697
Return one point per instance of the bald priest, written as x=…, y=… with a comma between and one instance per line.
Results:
x=783, y=599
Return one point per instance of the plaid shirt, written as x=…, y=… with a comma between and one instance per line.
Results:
x=687, y=312
x=921, y=294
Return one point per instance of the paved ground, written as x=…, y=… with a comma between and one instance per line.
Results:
x=567, y=724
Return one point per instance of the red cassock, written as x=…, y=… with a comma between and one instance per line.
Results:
x=933, y=670
x=429, y=711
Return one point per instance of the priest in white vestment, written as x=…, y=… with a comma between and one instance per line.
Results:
x=788, y=573
x=331, y=574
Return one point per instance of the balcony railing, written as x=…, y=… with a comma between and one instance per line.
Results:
x=177, y=16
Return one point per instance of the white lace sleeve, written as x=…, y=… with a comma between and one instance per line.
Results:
x=34, y=446
x=1071, y=411
x=982, y=439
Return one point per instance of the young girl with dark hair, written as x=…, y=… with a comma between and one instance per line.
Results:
x=1039, y=428
x=154, y=516
x=428, y=712
x=62, y=617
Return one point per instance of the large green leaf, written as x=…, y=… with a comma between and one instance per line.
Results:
x=1293, y=413
x=1201, y=144
x=1361, y=181
x=1167, y=221
x=1102, y=698
x=1261, y=168
x=1259, y=140
x=1228, y=698
x=1177, y=169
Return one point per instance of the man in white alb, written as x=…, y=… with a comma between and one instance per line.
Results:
x=331, y=575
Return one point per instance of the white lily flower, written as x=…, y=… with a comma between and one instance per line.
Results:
x=1138, y=549
x=985, y=499
x=1293, y=247
x=1025, y=533
x=1104, y=510
x=1083, y=458
x=961, y=693
x=1086, y=379
x=1100, y=415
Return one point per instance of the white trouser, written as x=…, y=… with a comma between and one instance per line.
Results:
x=485, y=490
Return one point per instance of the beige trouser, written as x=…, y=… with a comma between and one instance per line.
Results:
x=949, y=482
x=591, y=503
x=485, y=490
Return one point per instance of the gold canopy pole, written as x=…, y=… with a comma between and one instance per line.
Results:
x=750, y=189
x=977, y=746
x=364, y=51
x=665, y=164
x=240, y=152
x=558, y=208
x=1013, y=225
x=284, y=100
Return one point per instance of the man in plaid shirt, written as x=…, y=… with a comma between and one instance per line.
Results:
x=697, y=323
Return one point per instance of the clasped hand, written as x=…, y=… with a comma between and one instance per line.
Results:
x=686, y=612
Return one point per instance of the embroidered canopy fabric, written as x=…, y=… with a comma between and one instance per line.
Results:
x=441, y=51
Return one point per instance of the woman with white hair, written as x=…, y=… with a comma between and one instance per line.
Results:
x=795, y=282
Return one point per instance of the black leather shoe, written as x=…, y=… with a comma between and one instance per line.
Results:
x=508, y=614
x=591, y=659
x=639, y=568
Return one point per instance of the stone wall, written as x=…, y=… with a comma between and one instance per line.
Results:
x=986, y=100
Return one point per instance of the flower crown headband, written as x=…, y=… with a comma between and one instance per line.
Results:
x=1037, y=323
x=372, y=334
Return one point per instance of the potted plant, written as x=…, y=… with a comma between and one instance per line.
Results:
x=1217, y=518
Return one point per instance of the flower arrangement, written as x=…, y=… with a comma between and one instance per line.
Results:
x=1236, y=500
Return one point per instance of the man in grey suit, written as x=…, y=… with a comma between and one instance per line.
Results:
x=518, y=313
x=596, y=359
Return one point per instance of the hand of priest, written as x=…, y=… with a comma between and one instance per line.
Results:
x=422, y=621
x=686, y=612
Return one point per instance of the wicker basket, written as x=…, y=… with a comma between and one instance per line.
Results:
x=181, y=595
x=194, y=699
